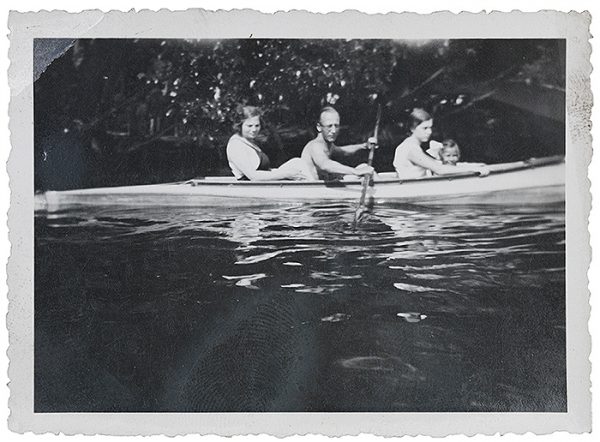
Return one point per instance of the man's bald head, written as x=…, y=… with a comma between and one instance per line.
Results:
x=329, y=124
x=327, y=110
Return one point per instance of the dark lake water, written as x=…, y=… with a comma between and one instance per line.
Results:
x=289, y=309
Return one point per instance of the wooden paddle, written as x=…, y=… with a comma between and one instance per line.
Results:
x=367, y=178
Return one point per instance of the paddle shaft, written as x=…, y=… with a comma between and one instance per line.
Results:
x=367, y=178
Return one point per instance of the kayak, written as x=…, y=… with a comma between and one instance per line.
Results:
x=533, y=181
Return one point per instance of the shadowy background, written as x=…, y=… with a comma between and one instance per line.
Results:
x=133, y=111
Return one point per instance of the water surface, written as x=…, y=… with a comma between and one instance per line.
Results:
x=290, y=309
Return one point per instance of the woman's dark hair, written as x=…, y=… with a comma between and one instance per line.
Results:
x=417, y=116
x=242, y=113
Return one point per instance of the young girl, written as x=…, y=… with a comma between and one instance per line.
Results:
x=411, y=162
x=447, y=151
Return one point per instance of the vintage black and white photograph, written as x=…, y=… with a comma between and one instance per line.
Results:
x=299, y=225
x=342, y=224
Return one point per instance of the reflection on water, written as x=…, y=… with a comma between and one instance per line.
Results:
x=290, y=309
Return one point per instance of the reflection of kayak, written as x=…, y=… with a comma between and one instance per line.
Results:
x=535, y=181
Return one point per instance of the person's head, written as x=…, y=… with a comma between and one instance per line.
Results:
x=450, y=152
x=247, y=121
x=420, y=124
x=328, y=124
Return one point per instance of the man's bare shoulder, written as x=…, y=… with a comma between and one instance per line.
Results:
x=315, y=144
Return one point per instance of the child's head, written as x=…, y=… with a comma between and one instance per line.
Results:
x=450, y=152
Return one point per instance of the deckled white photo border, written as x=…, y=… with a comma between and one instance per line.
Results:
x=241, y=24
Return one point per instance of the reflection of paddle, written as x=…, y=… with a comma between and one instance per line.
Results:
x=367, y=178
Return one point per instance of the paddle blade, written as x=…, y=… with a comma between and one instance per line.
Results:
x=359, y=214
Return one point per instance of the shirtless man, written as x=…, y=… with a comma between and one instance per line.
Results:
x=317, y=153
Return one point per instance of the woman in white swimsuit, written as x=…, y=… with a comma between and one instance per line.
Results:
x=247, y=161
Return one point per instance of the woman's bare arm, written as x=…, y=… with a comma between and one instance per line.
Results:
x=275, y=174
x=261, y=175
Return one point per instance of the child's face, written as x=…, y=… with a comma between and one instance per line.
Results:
x=449, y=156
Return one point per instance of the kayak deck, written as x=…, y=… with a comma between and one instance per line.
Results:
x=533, y=181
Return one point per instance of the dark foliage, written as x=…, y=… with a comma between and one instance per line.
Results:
x=111, y=112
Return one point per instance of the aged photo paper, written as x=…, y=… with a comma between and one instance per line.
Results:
x=199, y=244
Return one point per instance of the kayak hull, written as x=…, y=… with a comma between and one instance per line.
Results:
x=540, y=181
